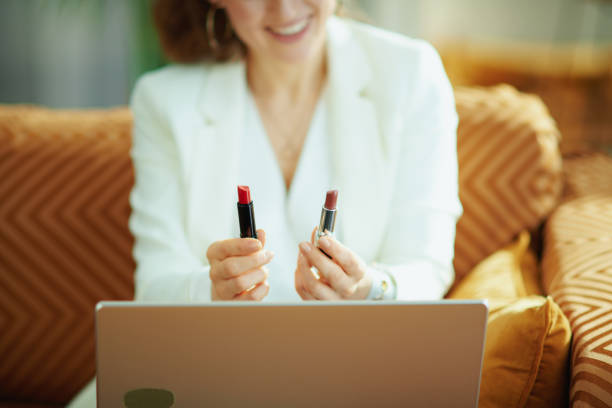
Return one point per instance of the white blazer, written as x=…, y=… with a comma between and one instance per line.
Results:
x=393, y=139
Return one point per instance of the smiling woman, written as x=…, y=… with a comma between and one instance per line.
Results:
x=284, y=97
x=276, y=31
x=195, y=30
x=289, y=99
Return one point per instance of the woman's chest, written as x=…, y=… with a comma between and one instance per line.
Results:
x=286, y=128
x=299, y=206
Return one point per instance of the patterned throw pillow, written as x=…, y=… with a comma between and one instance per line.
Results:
x=65, y=177
x=528, y=337
x=577, y=273
x=509, y=169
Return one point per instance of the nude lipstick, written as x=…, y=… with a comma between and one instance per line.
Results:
x=246, y=214
x=328, y=216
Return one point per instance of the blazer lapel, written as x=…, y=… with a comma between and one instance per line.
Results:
x=214, y=155
x=361, y=169
x=360, y=165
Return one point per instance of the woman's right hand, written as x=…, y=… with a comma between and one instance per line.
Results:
x=237, y=270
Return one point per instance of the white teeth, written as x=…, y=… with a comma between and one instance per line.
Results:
x=294, y=29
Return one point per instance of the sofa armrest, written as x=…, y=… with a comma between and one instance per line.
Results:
x=577, y=273
x=65, y=177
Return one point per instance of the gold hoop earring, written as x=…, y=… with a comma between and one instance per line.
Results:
x=213, y=44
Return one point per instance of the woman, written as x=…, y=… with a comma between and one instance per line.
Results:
x=284, y=97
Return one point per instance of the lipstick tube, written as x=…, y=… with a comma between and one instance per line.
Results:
x=246, y=213
x=328, y=217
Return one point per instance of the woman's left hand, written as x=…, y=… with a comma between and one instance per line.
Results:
x=344, y=276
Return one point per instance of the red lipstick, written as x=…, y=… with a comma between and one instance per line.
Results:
x=246, y=213
x=328, y=216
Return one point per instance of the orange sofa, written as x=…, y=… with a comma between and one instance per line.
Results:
x=65, y=177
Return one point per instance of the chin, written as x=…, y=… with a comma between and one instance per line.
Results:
x=296, y=54
x=299, y=52
x=294, y=57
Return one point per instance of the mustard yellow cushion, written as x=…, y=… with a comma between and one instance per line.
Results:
x=528, y=336
x=510, y=273
x=526, y=355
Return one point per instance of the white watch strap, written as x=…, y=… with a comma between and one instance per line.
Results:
x=384, y=286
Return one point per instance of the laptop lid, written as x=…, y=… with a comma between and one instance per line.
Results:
x=323, y=354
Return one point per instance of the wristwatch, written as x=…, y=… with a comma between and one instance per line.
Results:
x=384, y=286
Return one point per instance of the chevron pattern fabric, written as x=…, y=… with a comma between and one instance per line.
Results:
x=509, y=169
x=65, y=178
x=577, y=273
x=587, y=174
x=64, y=244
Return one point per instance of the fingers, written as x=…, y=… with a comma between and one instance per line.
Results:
x=329, y=271
x=220, y=250
x=316, y=257
x=299, y=282
x=347, y=259
x=231, y=288
x=237, y=268
x=312, y=235
x=261, y=236
x=305, y=295
x=257, y=293
x=311, y=284
x=237, y=265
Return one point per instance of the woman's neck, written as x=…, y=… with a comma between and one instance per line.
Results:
x=289, y=83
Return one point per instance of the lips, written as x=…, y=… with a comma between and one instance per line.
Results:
x=291, y=29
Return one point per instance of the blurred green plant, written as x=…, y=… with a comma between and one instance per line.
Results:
x=149, y=55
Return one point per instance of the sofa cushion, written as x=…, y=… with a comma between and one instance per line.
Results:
x=526, y=355
x=65, y=177
x=528, y=337
x=509, y=169
x=577, y=273
x=507, y=274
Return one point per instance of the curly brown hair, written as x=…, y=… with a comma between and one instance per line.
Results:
x=181, y=25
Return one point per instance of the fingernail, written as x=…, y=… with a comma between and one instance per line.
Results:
x=269, y=254
x=305, y=247
x=324, y=242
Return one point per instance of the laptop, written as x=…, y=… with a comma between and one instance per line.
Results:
x=308, y=354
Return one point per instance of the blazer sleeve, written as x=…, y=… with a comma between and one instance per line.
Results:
x=419, y=244
x=166, y=267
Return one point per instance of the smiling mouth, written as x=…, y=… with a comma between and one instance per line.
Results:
x=292, y=29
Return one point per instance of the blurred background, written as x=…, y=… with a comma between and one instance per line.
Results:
x=88, y=53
